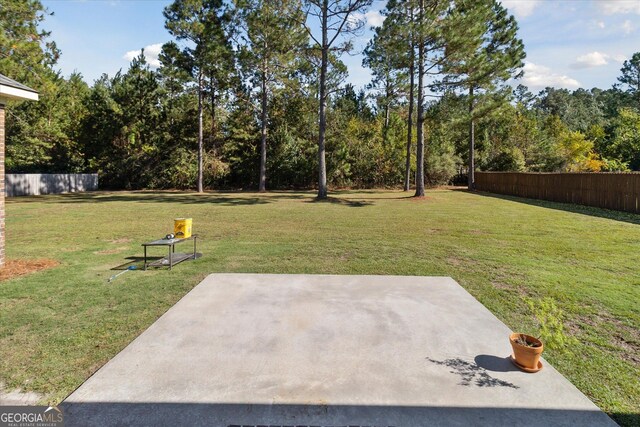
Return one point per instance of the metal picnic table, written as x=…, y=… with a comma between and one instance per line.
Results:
x=173, y=258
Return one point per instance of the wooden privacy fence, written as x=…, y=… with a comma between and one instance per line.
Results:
x=617, y=191
x=33, y=184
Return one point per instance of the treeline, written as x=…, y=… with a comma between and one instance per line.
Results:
x=251, y=95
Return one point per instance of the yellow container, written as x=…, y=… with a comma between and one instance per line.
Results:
x=182, y=227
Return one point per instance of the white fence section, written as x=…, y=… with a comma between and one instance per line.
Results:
x=33, y=184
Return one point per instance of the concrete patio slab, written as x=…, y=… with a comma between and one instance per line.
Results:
x=302, y=350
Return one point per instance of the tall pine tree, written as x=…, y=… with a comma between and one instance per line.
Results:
x=427, y=29
x=206, y=24
x=338, y=20
x=274, y=38
x=483, y=52
x=630, y=79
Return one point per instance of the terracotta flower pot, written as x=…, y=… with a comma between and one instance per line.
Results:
x=527, y=358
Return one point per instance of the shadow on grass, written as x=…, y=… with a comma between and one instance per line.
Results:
x=231, y=198
x=341, y=201
x=106, y=413
x=402, y=197
x=160, y=197
x=135, y=261
x=567, y=207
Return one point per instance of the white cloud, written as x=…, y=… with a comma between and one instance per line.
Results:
x=601, y=24
x=151, y=54
x=131, y=54
x=611, y=7
x=596, y=59
x=627, y=27
x=538, y=77
x=373, y=18
x=521, y=8
x=590, y=60
x=619, y=58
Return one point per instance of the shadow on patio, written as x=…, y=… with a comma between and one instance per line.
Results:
x=319, y=414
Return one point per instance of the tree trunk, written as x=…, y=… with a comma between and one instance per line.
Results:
x=387, y=112
x=420, y=124
x=200, y=183
x=385, y=128
x=322, y=167
x=213, y=113
x=263, y=136
x=387, y=107
x=412, y=84
x=472, y=165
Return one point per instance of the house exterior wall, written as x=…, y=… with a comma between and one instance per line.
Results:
x=9, y=89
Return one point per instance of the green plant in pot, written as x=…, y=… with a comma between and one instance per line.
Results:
x=527, y=349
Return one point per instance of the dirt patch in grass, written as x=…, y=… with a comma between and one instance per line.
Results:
x=110, y=251
x=462, y=261
x=501, y=285
x=120, y=240
x=627, y=339
x=619, y=334
x=454, y=261
x=479, y=232
x=522, y=291
x=346, y=256
x=630, y=345
x=21, y=267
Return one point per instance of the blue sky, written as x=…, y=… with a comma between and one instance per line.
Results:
x=569, y=43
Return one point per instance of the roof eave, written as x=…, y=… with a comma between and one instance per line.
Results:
x=12, y=93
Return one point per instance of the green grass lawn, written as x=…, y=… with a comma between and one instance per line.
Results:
x=58, y=326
